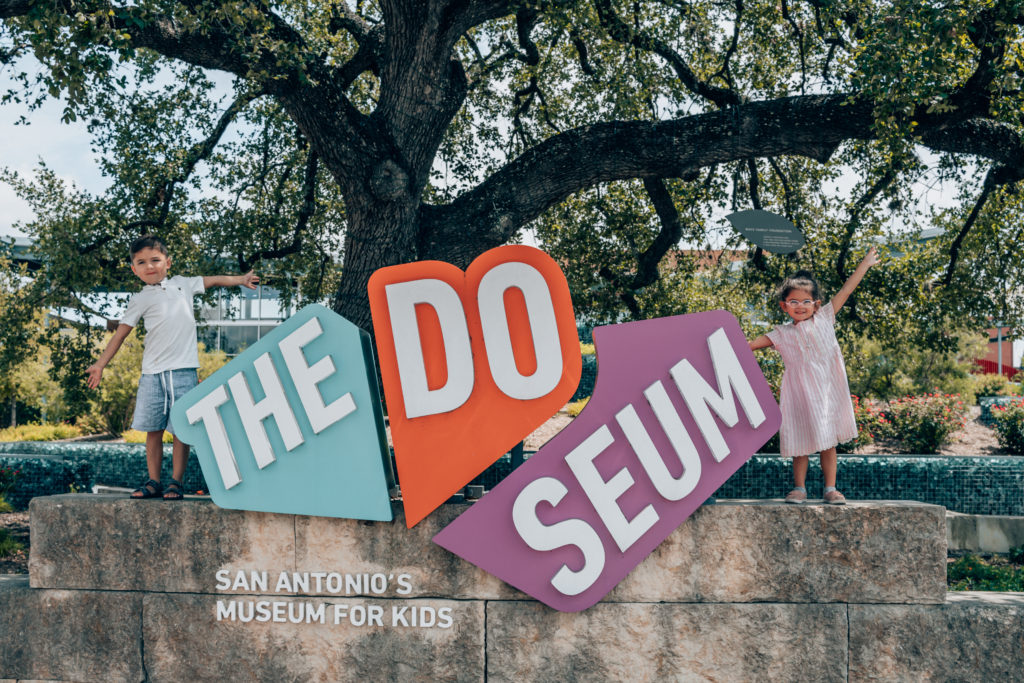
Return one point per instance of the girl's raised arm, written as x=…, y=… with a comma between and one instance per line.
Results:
x=761, y=342
x=870, y=259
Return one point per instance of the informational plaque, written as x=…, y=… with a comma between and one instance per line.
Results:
x=768, y=230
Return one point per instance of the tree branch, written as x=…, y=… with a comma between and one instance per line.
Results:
x=853, y=223
x=623, y=33
x=306, y=212
x=990, y=184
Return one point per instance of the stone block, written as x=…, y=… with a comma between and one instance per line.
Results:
x=354, y=547
x=767, y=551
x=59, y=635
x=756, y=551
x=971, y=637
x=185, y=642
x=527, y=641
x=113, y=543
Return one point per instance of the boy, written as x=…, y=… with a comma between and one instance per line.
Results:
x=170, y=356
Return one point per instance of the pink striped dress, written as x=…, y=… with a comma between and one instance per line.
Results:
x=817, y=412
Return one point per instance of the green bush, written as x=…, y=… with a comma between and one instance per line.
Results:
x=992, y=384
x=925, y=423
x=971, y=573
x=8, y=546
x=38, y=432
x=1017, y=555
x=871, y=424
x=1009, y=424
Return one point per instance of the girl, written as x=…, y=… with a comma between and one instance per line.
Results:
x=817, y=414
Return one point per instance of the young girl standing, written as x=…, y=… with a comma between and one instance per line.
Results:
x=817, y=413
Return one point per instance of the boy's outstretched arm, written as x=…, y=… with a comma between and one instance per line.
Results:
x=761, y=342
x=249, y=280
x=95, y=371
x=870, y=259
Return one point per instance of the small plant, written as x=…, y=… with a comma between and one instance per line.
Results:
x=8, y=546
x=992, y=384
x=972, y=573
x=39, y=432
x=135, y=436
x=1017, y=555
x=871, y=424
x=576, y=407
x=925, y=423
x=1009, y=425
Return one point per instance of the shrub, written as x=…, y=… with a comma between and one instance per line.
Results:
x=925, y=423
x=871, y=424
x=1017, y=555
x=973, y=573
x=992, y=384
x=1009, y=424
x=576, y=407
x=8, y=546
x=8, y=475
x=135, y=436
x=38, y=432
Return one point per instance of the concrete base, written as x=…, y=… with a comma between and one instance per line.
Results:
x=984, y=533
x=150, y=591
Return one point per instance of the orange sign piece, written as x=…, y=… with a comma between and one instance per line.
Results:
x=471, y=363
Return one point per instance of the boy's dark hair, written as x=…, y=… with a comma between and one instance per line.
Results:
x=147, y=242
x=801, y=279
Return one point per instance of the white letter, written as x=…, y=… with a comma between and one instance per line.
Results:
x=567, y=532
x=306, y=377
x=223, y=582
x=543, y=328
x=274, y=403
x=668, y=486
x=604, y=494
x=699, y=395
x=226, y=612
x=445, y=617
x=205, y=409
x=402, y=300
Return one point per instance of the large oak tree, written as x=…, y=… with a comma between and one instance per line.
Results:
x=401, y=130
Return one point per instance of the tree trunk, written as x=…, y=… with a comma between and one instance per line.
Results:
x=379, y=234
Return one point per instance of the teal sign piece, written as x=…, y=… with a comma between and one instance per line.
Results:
x=294, y=424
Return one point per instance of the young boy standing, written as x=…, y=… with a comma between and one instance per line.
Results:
x=170, y=357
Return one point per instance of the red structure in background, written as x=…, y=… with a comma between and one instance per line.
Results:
x=990, y=363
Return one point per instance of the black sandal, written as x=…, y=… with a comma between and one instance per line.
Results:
x=151, y=489
x=174, y=491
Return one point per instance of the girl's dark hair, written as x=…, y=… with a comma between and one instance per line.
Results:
x=147, y=242
x=801, y=279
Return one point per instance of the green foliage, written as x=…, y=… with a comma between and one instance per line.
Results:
x=40, y=432
x=8, y=476
x=993, y=384
x=5, y=507
x=871, y=424
x=925, y=423
x=1016, y=554
x=1009, y=426
x=111, y=412
x=135, y=436
x=943, y=362
x=973, y=573
x=8, y=546
x=576, y=407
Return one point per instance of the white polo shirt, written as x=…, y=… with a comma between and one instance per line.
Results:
x=171, y=342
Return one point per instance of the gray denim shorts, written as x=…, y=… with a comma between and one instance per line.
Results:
x=157, y=393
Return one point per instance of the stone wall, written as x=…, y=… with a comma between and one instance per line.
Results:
x=124, y=590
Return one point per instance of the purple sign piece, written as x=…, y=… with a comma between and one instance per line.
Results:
x=680, y=404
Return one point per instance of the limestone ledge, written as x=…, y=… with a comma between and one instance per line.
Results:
x=736, y=551
x=117, y=636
